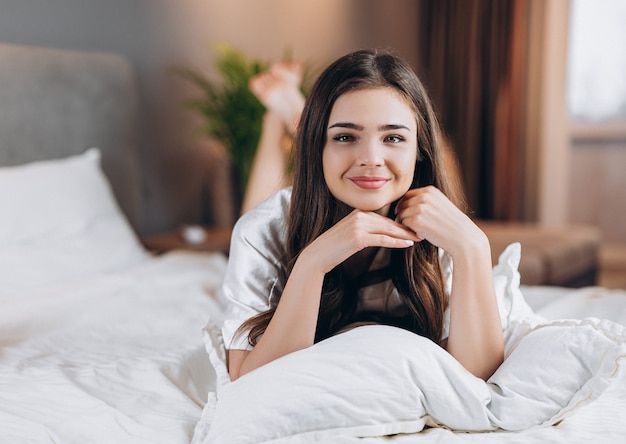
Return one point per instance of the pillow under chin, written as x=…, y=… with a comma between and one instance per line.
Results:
x=60, y=220
x=326, y=374
x=369, y=381
x=380, y=380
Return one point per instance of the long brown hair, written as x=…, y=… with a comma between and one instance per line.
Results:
x=416, y=271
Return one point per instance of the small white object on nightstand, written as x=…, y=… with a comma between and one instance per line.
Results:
x=193, y=234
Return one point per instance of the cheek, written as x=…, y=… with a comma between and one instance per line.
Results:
x=407, y=169
x=332, y=162
x=407, y=177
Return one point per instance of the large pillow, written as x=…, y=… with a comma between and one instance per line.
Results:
x=380, y=380
x=60, y=221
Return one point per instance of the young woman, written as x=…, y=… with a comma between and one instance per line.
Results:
x=366, y=234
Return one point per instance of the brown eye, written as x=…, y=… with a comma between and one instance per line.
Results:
x=343, y=138
x=394, y=139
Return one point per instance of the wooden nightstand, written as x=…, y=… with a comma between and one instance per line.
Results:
x=215, y=239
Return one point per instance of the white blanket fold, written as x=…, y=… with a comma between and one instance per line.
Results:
x=112, y=358
x=380, y=380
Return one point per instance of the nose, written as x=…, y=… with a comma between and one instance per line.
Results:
x=370, y=153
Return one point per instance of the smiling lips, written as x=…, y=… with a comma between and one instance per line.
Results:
x=369, y=182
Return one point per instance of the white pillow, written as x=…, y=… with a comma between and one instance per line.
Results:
x=365, y=382
x=381, y=380
x=59, y=221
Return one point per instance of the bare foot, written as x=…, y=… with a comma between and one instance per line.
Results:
x=279, y=90
x=289, y=71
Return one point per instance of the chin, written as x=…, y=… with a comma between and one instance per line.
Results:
x=376, y=207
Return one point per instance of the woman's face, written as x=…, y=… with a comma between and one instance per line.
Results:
x=371, y=149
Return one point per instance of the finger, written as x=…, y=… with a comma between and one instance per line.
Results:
x=392, y=242
x=393, y=228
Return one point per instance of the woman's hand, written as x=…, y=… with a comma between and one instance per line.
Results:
x=355, y=232
x=295, y=320
x=432, y=216
x=475, y=338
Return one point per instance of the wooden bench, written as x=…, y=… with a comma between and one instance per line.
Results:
x=565, y=256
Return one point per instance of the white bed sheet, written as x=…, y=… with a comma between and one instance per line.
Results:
x=119, y=358
x=113, y=358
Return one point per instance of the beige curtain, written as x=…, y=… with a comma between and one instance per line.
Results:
x=472, y=55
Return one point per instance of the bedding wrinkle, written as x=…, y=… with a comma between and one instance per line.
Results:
x=114, y=357
x=563, y=381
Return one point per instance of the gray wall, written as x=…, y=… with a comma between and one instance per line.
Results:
x=157, y=35
x=135, y=29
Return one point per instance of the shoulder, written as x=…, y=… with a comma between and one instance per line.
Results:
x=277, y=205
x=256, y=263
x=266, y=224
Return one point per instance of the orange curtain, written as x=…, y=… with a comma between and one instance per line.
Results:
x=472, y=55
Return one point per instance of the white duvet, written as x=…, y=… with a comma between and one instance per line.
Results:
x=113, y=358
x=118, y=358
x=377, y=381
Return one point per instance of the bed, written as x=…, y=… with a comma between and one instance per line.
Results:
x=103, y=342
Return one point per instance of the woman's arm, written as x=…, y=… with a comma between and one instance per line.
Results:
x=475, y=338
x=294, y=322
x=293, y=325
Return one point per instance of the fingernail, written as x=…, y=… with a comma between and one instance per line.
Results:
x=409, y=243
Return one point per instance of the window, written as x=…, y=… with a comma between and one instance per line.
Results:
x=596, y=89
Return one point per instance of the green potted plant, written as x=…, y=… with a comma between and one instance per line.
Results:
x=231, y=113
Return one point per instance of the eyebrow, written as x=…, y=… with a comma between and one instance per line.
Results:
x=387, y=127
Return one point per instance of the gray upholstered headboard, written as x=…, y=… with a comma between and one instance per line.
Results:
x=55, y=103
